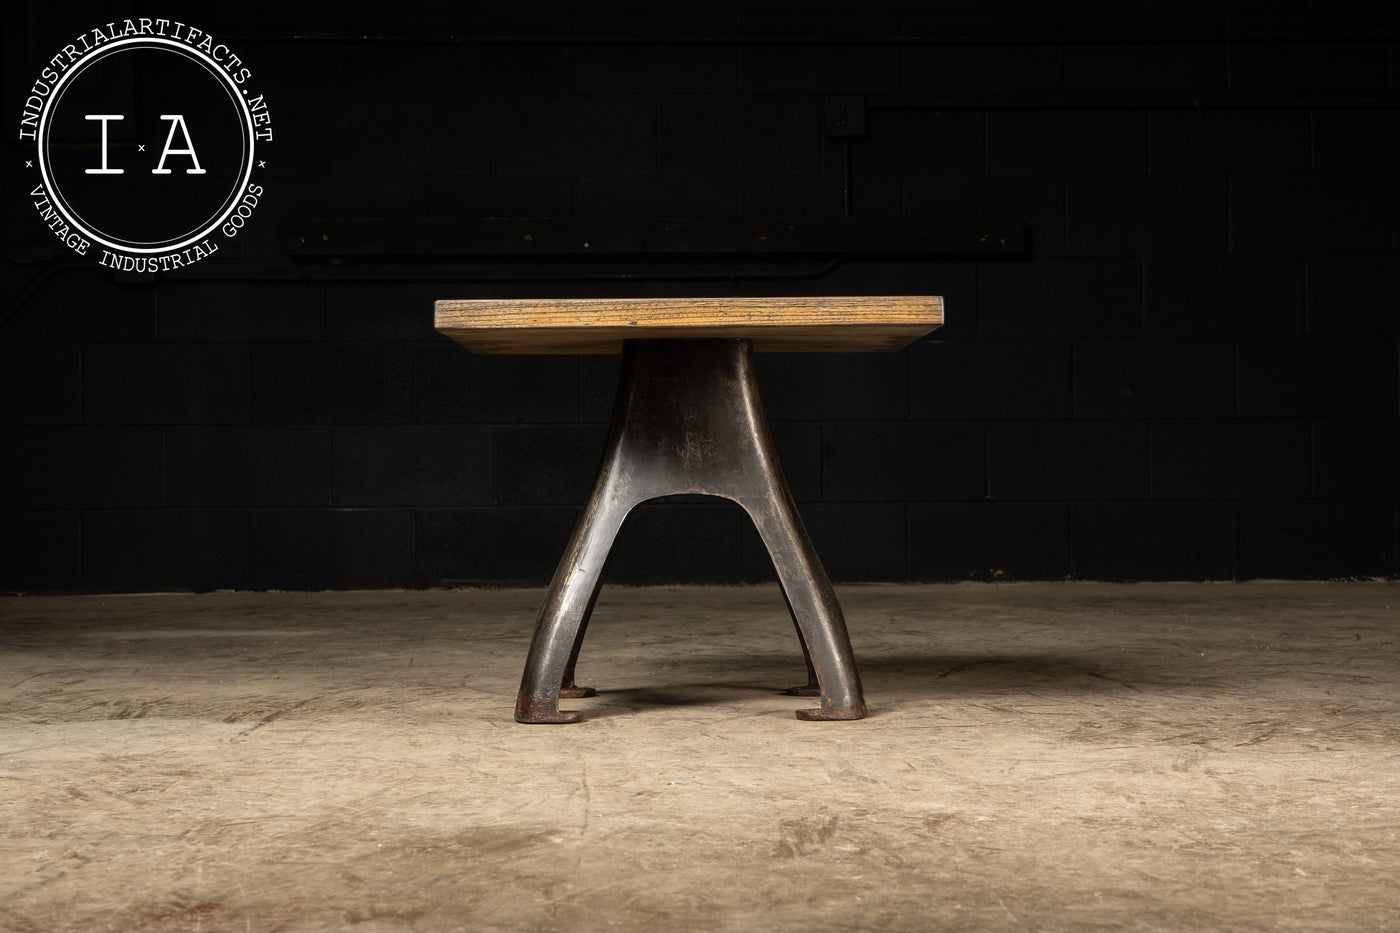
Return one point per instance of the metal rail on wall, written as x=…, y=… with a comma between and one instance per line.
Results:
x=1301, y=36
x=773, y=237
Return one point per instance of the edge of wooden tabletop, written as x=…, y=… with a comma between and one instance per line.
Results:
x=599, y=325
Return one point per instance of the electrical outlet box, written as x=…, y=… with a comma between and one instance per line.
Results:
x=844, y=117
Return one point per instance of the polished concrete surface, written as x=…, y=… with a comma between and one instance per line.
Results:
x=1072, y=757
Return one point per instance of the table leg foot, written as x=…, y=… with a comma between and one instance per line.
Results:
x=573, y=692
x=543, y=709
x=809, y=689
x=833, y=713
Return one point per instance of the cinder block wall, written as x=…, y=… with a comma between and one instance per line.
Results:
x=1192, y=376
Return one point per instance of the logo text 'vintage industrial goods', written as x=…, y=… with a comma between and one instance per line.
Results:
x=148, y=143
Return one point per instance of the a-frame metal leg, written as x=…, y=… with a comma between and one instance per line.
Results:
x=688, y=421
x=815, y=610
x=563, y=617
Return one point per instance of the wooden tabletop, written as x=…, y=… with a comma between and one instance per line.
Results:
x=599, y=325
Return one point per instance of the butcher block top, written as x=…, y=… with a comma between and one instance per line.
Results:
x=600, y=325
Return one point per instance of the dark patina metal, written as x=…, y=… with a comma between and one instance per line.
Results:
x=688, y=420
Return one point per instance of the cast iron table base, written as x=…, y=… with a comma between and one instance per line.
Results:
x=688, y=420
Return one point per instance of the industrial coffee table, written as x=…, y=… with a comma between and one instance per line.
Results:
x=688, y=420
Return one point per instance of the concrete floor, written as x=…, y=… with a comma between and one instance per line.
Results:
x=1038, y=757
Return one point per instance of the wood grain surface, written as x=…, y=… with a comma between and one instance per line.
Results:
x=599, y=325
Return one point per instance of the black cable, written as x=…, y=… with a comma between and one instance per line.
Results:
x=846, y=174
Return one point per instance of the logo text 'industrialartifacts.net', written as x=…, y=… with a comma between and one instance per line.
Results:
x=149, y=141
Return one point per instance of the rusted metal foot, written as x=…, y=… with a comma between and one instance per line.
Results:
x=573, y=692
x=543, y=709
x=833, y=713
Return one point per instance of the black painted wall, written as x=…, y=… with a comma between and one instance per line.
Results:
x=1192, y=376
